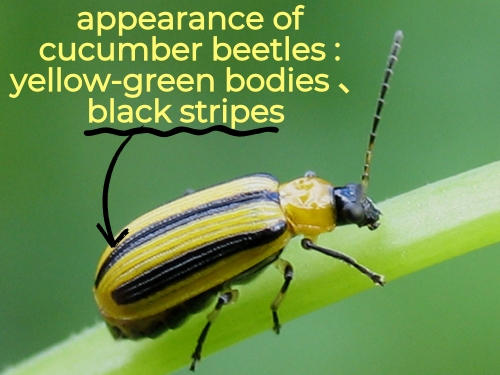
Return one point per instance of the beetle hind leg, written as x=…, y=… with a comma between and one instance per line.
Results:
x=224, y=299
x=287, y=269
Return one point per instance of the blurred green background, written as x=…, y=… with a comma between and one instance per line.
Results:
x=441, y=119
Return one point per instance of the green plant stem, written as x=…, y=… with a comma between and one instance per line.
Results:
x=419, y=228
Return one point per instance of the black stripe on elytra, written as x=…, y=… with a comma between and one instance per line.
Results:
x=174, y=270
x=163, y=226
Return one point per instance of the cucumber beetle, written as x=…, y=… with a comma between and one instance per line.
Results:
x=182, y=256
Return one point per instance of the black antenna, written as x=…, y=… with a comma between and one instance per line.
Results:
x=393, y=57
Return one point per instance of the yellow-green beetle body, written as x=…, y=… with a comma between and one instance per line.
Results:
x=179, y=255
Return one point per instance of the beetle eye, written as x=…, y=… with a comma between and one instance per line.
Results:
x=353, y=213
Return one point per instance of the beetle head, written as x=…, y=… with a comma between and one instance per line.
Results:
x=353, y=207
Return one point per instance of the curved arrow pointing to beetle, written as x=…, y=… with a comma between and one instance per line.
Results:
x=108, y=233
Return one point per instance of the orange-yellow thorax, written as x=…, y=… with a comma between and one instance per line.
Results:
x=309, y=206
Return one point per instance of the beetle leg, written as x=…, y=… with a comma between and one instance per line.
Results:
x=287, y=270
x=375, y=277
x=224, y=299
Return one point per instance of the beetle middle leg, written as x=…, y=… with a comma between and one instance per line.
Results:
x=224, y=299
x=287, y=270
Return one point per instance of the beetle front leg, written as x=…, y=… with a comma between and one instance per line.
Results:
x=307, y=244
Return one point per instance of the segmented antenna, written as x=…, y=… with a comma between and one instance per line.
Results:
x=393, y=57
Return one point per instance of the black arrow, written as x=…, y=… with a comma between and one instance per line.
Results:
x=108, y=233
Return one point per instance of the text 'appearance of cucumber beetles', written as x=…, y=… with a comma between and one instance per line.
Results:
x=178, y=257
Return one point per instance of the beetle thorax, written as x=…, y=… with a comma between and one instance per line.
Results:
x=308, y=206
